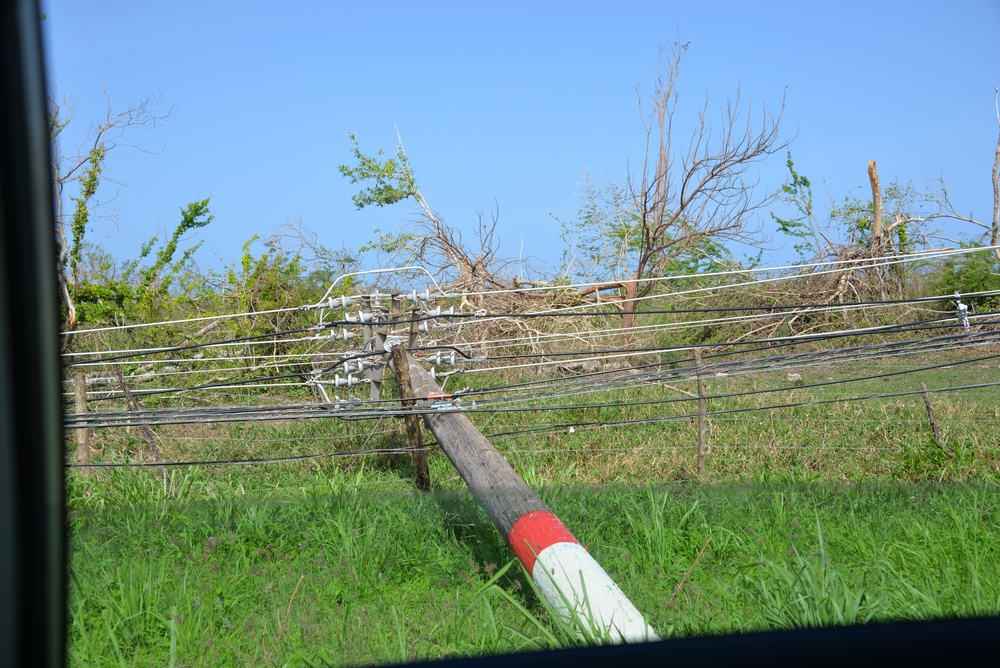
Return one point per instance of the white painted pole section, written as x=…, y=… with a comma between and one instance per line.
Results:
x=576, y=586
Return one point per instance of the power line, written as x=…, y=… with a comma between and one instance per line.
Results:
x=761, y=344
x=676, y=374
x=732, y=411
x=260, y=413
x=258, y=460
x=160, y=323
x=193, y=346
x=544, y=429
x=852, y=264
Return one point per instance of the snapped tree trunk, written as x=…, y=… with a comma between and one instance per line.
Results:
x=876, y=242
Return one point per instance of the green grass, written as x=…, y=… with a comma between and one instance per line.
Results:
x=835, y=513
x=330, y=576
x=339, y=575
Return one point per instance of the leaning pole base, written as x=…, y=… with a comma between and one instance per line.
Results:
x=572, y=581
x=566, y=576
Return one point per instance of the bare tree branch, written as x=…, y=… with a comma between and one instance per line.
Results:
x=702, y=194
x=85, y=165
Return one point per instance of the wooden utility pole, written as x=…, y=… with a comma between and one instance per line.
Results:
x=496, y=486
x=83, y=434
x=421, y=472
x=565, y=574
x=702, y=416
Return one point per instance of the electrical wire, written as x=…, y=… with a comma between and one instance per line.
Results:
x=258, y=413
x=536, y=430
x=258, y=460
x=859, y=263
x=734, y=411
x=182, y=321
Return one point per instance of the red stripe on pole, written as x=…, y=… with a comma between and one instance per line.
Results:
x=535, y=531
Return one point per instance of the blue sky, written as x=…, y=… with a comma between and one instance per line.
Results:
x=508, y=103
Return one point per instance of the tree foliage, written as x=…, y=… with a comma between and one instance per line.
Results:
x=389, y=179
x=797, y=191
x=429, y=241
x=975, y=272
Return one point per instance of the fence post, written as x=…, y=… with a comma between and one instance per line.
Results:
x=572, y=581
x=421, y=472
x=83, y=434
x=930, y=414
x=702, y=416
x=147, y=433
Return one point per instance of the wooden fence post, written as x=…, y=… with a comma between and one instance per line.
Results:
x=702, y=416
x=572, y=581
x=421, y=472
x=147, y=433
x=82, y=434
x=930, y=415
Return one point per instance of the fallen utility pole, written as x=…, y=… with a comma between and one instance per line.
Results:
x=569, y=579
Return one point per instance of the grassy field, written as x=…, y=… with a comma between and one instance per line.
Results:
x=341, y=576
x=811, y=514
